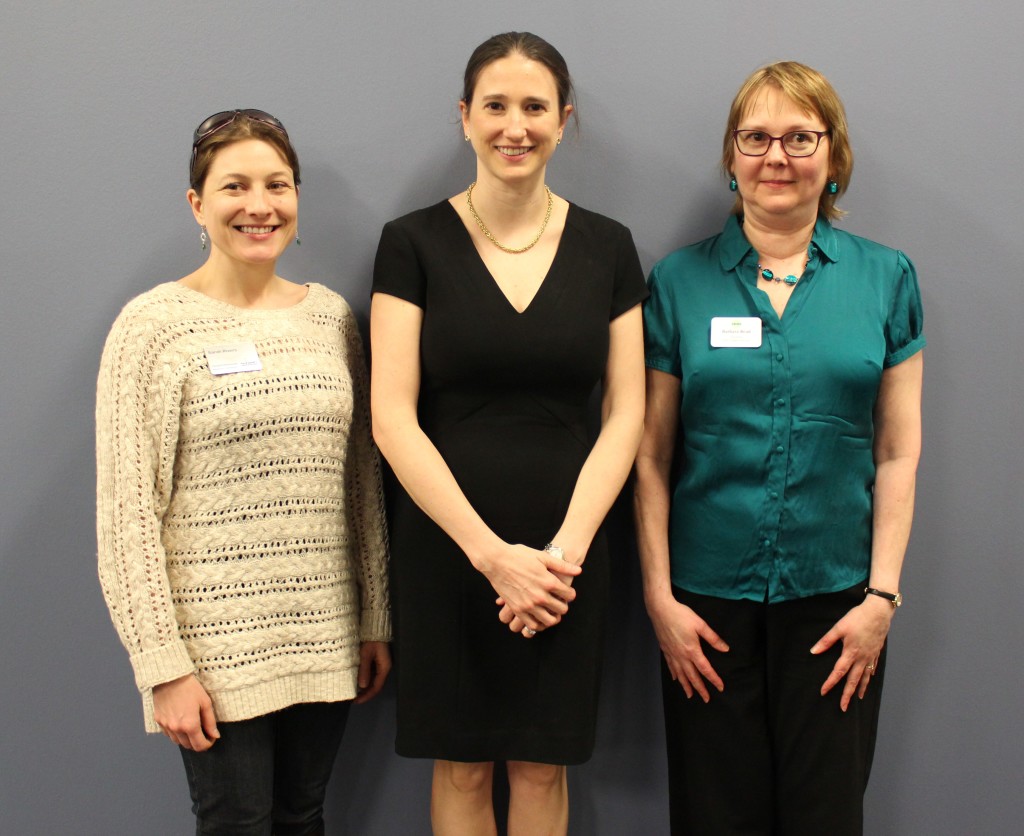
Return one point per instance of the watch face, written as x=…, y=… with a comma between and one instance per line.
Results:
x=897, y=599
x=556, y=552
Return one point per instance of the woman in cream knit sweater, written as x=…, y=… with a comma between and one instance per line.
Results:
x=242, y=548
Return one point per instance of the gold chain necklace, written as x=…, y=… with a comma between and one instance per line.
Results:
x=490, y=235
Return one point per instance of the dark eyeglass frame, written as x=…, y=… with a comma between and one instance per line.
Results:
x=736, y=139
x=212, y=124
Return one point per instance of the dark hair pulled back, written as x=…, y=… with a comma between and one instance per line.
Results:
x=529, y=46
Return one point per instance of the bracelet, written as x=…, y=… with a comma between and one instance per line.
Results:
x=894, y=598
x=555, y=551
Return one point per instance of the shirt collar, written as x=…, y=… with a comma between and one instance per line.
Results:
x=733, y=245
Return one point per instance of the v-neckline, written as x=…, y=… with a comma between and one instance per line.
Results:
x=482, y=265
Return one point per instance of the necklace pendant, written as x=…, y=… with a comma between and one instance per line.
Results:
x=767, y=274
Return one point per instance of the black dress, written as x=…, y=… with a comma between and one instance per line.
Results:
x=504, y=398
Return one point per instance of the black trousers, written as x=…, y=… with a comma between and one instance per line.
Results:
x=770, y=755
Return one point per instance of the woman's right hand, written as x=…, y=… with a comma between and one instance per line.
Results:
x=184, y=712
x=530, y=586
x=680, y=630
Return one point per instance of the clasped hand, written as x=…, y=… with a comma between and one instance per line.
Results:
x=534, y=589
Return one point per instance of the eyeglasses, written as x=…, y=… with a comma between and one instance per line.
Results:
x=209, y=126
x=795, y=143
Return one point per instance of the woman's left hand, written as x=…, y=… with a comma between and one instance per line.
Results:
x=374, y=666
x=862, y=631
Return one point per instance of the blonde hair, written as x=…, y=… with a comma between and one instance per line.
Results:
x=810, y=91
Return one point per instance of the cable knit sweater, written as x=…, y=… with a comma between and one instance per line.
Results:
x=240, y=516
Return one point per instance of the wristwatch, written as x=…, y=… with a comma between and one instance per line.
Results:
x=894, y=598
x=555, y=551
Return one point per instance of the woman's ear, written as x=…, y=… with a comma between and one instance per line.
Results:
x=195, y=203
x=566, y=112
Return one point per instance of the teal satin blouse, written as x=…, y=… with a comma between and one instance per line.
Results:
x=772, y=485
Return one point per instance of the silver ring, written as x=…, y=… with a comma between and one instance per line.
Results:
x=529, y=632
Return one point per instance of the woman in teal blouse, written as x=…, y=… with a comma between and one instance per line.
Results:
x=775, y=480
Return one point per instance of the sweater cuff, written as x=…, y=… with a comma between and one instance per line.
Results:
x=375, y=626
x=163, y=664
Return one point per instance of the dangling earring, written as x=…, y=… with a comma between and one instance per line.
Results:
x=832, y=187
x=733, y=185
x=298, y=243
x=467, y=137
x=558, y=141
x=202, y=239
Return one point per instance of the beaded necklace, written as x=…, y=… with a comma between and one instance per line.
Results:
x=791, y=280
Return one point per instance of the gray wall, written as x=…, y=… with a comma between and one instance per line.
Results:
x=98, y=103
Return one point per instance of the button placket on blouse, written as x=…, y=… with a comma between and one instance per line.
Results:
x=778, y=453
x=782, y=417
x=779, y=407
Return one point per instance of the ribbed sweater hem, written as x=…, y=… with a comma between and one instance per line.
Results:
x=267, y=697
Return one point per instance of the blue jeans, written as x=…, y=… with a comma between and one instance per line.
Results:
x=267, y=776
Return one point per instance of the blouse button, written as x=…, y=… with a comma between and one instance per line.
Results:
x=779, y=356
x=779, y=449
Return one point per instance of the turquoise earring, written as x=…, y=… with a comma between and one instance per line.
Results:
x=733, y=185
x=832, y=187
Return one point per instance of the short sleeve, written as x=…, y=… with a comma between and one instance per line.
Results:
x=904, y=329
x=661, y=327
x=630, y=288
x=397, y=270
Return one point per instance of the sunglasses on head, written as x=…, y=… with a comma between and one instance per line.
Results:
x=211, y=124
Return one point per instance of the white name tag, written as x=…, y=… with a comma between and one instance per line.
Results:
x=735, y=332
x=230, y=358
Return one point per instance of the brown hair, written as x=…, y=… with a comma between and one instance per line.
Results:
x=529, y=46
x=242, y=127
x=811, y=91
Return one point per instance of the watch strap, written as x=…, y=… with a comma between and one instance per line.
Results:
x=894, y=598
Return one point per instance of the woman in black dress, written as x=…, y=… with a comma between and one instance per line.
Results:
x=495, y=313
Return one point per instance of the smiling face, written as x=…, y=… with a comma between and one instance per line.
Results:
x=777, y=186
x=249, y=203
x=513, y=119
